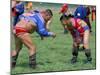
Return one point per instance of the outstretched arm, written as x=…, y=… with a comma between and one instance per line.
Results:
x=42, y=31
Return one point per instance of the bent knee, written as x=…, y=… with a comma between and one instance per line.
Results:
x=32, y=47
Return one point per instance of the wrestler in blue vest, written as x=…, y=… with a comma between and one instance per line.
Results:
x=39, y=22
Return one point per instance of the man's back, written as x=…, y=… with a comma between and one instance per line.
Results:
x=80, y=12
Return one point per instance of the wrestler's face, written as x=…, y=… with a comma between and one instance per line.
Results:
x=47, y=17
x=65, y=22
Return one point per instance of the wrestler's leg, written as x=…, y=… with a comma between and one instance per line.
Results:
x=86, y=45
x=27, y=41
x=15, y=53
x=74, y=51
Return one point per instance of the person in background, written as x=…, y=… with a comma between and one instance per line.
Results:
x=17, y=10
x=83, y=13
x=64, y=10
x=93, y=13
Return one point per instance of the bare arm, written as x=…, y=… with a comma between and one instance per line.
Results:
x=48, y=24
x=82, y=23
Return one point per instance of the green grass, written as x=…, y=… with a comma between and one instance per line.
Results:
x=55, y=54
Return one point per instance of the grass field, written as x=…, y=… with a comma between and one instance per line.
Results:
x=55, y=54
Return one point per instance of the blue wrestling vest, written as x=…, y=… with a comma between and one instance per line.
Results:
x=40, y=23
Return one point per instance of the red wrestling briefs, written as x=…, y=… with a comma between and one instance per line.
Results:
x=19, y=30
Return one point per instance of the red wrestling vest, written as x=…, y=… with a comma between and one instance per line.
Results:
x=78, y=27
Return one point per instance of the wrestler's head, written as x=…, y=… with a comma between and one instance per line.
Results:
x=65, y=20
x=47, y=14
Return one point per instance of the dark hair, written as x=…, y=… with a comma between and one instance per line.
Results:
x=66, y=17
x=49, y=11
x=70, y=15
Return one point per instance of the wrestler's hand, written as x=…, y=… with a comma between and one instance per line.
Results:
x=53, y=35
